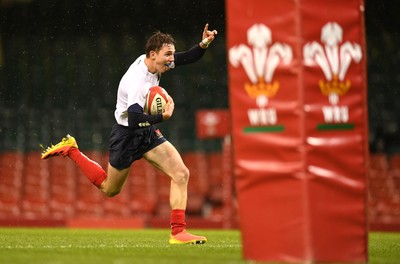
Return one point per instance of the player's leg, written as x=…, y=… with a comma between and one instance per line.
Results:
x=109, y=183
x=69, y=148
x=166, y=158
x=115, y=180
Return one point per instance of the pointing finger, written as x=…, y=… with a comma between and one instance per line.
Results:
x=205, y=28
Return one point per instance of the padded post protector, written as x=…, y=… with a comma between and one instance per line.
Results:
x=297, y=87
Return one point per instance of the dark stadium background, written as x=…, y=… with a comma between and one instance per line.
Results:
x=61, y=62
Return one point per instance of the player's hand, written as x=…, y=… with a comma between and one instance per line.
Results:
x=208, y=36
x=169, y=108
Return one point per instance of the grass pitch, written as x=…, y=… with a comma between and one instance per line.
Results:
x=98, y=246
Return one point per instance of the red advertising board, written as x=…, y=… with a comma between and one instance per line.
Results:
x=299, y=126
x=212, y=123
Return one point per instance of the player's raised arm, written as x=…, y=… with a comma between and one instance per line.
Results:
x=196, y=52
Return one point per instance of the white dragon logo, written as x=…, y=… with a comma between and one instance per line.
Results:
x=260, y=61
x=333, y=59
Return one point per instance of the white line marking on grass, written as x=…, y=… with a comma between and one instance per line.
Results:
x=74, y=246
x=104, y=246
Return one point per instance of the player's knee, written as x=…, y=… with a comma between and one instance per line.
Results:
x=111, y=192
x=182, y=176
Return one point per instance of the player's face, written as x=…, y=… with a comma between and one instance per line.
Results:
x=164, y=57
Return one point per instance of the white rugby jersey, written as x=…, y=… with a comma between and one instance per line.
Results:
x=133, y=88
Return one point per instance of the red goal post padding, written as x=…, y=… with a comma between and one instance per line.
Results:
x=297, y=85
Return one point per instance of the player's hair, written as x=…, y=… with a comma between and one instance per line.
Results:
x=156, y=42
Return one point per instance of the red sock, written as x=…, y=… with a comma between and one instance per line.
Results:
x=93, y=171
x=178, y=222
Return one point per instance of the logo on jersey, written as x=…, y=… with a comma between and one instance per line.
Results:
x=158, y=133
x=334, y=57
x=260, y=60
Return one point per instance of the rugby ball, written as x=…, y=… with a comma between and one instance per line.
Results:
x=156, y=100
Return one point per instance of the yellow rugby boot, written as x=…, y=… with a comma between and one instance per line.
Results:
x=186, y=238
x=60, y=149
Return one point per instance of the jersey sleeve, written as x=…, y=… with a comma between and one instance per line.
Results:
x=137, y=119
x=194, y=54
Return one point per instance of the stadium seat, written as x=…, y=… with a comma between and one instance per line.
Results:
x=9, y=210
x=36, y=185
x=395, y=170
x=10, y=184
x=9, y=202
x=11, y=168
x=384, y=197
x=394, y=161
x=198, y=182
x=215, y=176
x=63, y=174
x=142, y=186
x=117, y=206
x=379, y=162
x=163, y=183
x=199, y=177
